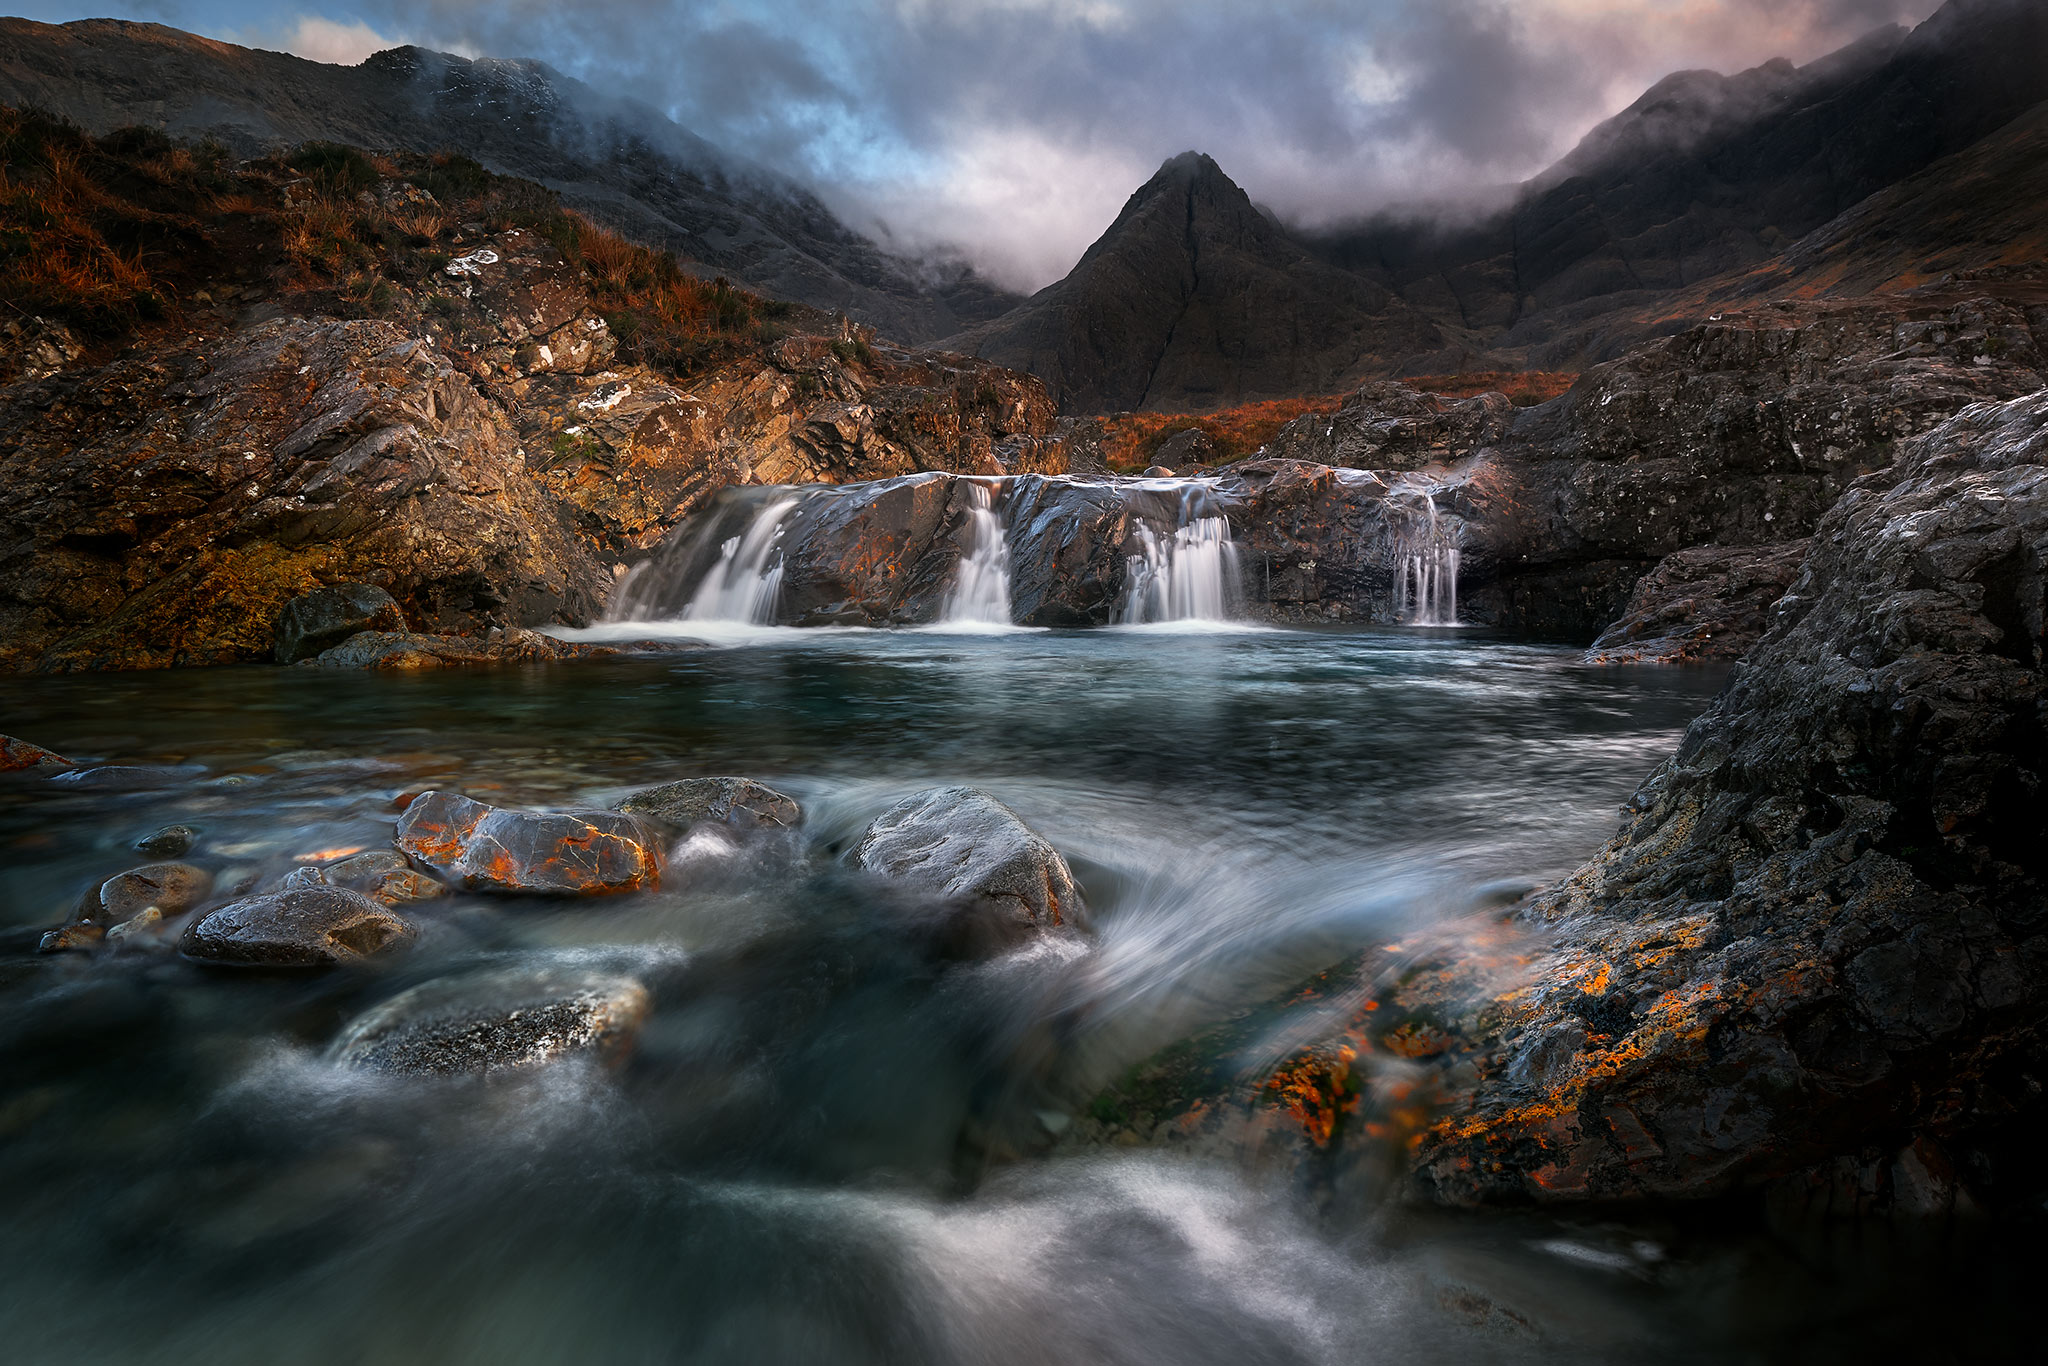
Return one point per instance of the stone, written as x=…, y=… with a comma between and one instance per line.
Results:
x=491, y=849
x=16, y=755
x=1185, y=451
x=169, y=842
x=1710, y=602
x=128, y=777
x=171, y=888
x=495, y=1022
x=383, y=875
x=739, y=802
x=325, y=617
x=960, y=843
x=404, y=651
x=304, y=928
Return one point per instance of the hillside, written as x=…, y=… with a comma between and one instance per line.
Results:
x=624, y=163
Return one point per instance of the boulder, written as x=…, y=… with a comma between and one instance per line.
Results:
x=490, y=849
x=404, y=650
x=171, y=888
x=16, y=755
x=1820, y=927
x=1184, y=451
x=959, y=843
x=1711, y=602
x=325, y=617
x=304, y=928
x=739, y=802
x=495, y=1022
x=169, y=842
x=380, y=874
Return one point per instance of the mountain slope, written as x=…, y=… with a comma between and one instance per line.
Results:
x=622, y=161
x=1707, y=174
x=1194, y=299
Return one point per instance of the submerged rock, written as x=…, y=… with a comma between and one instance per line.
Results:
x=305, y=928
x=739, y=802
x=169, y=842
x=399, y=650
x=1821, y=927
x=496, y=1022
x=20, y=754
x=960, y=843
x=325, y=617
x=488, y=848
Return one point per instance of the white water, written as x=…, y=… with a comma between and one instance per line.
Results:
x=981, y=595
x=743, y=587
x=1184, y=578
x=1426, y=571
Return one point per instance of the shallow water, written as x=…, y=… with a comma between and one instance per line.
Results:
x=780, y=1173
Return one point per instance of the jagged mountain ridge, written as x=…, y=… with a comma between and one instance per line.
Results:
x=622, y=161
x=1194, y=299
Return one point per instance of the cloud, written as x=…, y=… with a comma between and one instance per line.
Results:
x=1016, y=128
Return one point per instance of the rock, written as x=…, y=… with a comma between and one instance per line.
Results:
x=36, y=348
x=487, y=848
x=404, y=650
x=16, y=755
x=496, y=1022
x=306, y=928
x=380, y=874
x=325, y=617
x=172, y=888
x=1712, y=602
x=740, y=802
x=169, y=842
x=1185, y=451
x=959, y=843
x=86, y=934
x=1820, y=926
x=129, y=777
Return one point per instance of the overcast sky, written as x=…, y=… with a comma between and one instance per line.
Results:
x=1016, y=128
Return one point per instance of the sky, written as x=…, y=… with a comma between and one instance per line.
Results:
x=1013, y=130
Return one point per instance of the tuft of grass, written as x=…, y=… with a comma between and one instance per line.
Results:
x=336, y=169
x=1524, y=388
x=1130, y=440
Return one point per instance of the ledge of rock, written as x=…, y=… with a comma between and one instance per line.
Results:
x=1713, y=602
x=401, y=650
x=739, y=802
x=496, y=1022
x=959, y=843
x=306, y=928
x=491, y=849
x=1821, y=928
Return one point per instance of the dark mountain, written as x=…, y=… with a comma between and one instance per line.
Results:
x=1194, y=299
x=1708, y=174
x=620, y=161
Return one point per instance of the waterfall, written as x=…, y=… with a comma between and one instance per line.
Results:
x=1426, y=570
x=742, y=588
x=1188, y=576
x=981, y=594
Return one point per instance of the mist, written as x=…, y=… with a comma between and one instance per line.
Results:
x=1012, y=130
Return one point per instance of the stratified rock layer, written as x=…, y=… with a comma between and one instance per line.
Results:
x=1823, y=925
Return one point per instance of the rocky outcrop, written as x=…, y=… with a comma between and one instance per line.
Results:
x=175, y=502
x=1713, y=602
x=1821, y=926
x=302, y=928
x=325, y=617
x=491, y=849
x=491, y=1023
x=1192, y=300
x=738, y=802
x=961, y=844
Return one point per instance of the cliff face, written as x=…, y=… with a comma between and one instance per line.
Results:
x=1193, y=299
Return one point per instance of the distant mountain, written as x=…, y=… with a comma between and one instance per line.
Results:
x=1195, y=299
x=1707, y=174
x=623, y=162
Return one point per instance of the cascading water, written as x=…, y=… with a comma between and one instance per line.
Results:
x=743, y=587
x=1188, y=576
x=1426, y=569
x=981, y=595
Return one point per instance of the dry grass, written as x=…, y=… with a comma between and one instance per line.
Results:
x=1524, y=388
x=1131, y=440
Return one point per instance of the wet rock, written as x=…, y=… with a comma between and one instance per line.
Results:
x=129, y=777
x=380, y=874
x=1820, y=926
x=404, y=650
x=739, y=802
x=168, y=842
x=960, y=843
x=497, y=1022
x=86, y=934
x=487, y=848
x=325, y=617
x=171, y=888
x=16, y=755
x=311, y=927
x=1713, y=602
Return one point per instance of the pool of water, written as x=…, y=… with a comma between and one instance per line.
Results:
x=784, y=1171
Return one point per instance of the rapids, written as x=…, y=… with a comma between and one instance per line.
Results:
x=781, y=1172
